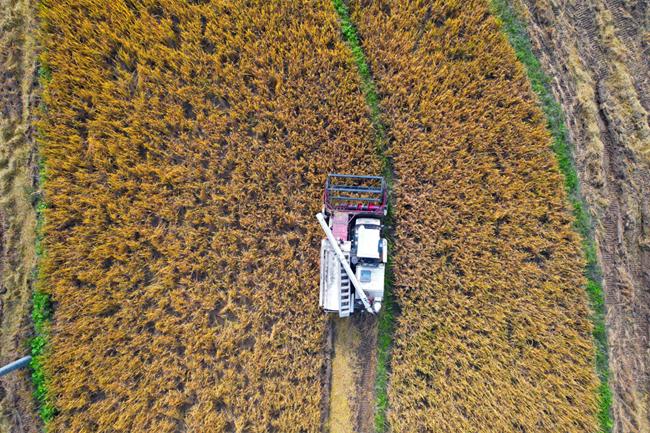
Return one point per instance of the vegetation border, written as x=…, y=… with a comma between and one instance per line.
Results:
x=41, y=302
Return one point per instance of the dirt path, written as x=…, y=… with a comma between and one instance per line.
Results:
x=17, y=216
x=597, y=52
x=352, y=396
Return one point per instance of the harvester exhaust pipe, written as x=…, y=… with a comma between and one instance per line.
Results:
x=344, y=262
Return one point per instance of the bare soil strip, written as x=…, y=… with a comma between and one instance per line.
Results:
x=345, y=367
x=595, y=50
x=354, y=360
x=18, y=186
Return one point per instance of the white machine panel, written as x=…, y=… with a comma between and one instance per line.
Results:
x=372, y=280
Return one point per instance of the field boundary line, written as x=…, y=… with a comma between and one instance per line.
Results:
x=387, y=315
x=42, y=310
x=515, y=31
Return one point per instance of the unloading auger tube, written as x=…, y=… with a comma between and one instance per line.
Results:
x=22, y=362
x=344, y=263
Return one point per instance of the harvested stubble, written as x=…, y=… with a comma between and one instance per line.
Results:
x=494, y=332
x=186, y=149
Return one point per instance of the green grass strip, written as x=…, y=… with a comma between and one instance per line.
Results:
x=41, y=302
x=514, y=28
x=387, y=314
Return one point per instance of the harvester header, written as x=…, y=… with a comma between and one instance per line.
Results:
x=355, y=194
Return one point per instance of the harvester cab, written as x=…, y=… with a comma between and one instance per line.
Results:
x=353, y=254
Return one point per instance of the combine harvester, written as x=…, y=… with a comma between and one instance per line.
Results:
x=353, y=252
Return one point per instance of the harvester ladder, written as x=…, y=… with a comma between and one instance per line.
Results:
x=346, y=303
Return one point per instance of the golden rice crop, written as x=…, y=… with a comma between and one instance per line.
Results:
x=494, y=332
x=186, y=148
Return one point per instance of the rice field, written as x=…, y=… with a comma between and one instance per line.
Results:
x=185, y=147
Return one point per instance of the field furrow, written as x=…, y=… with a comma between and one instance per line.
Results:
x=493, y=333
x=186, y=148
